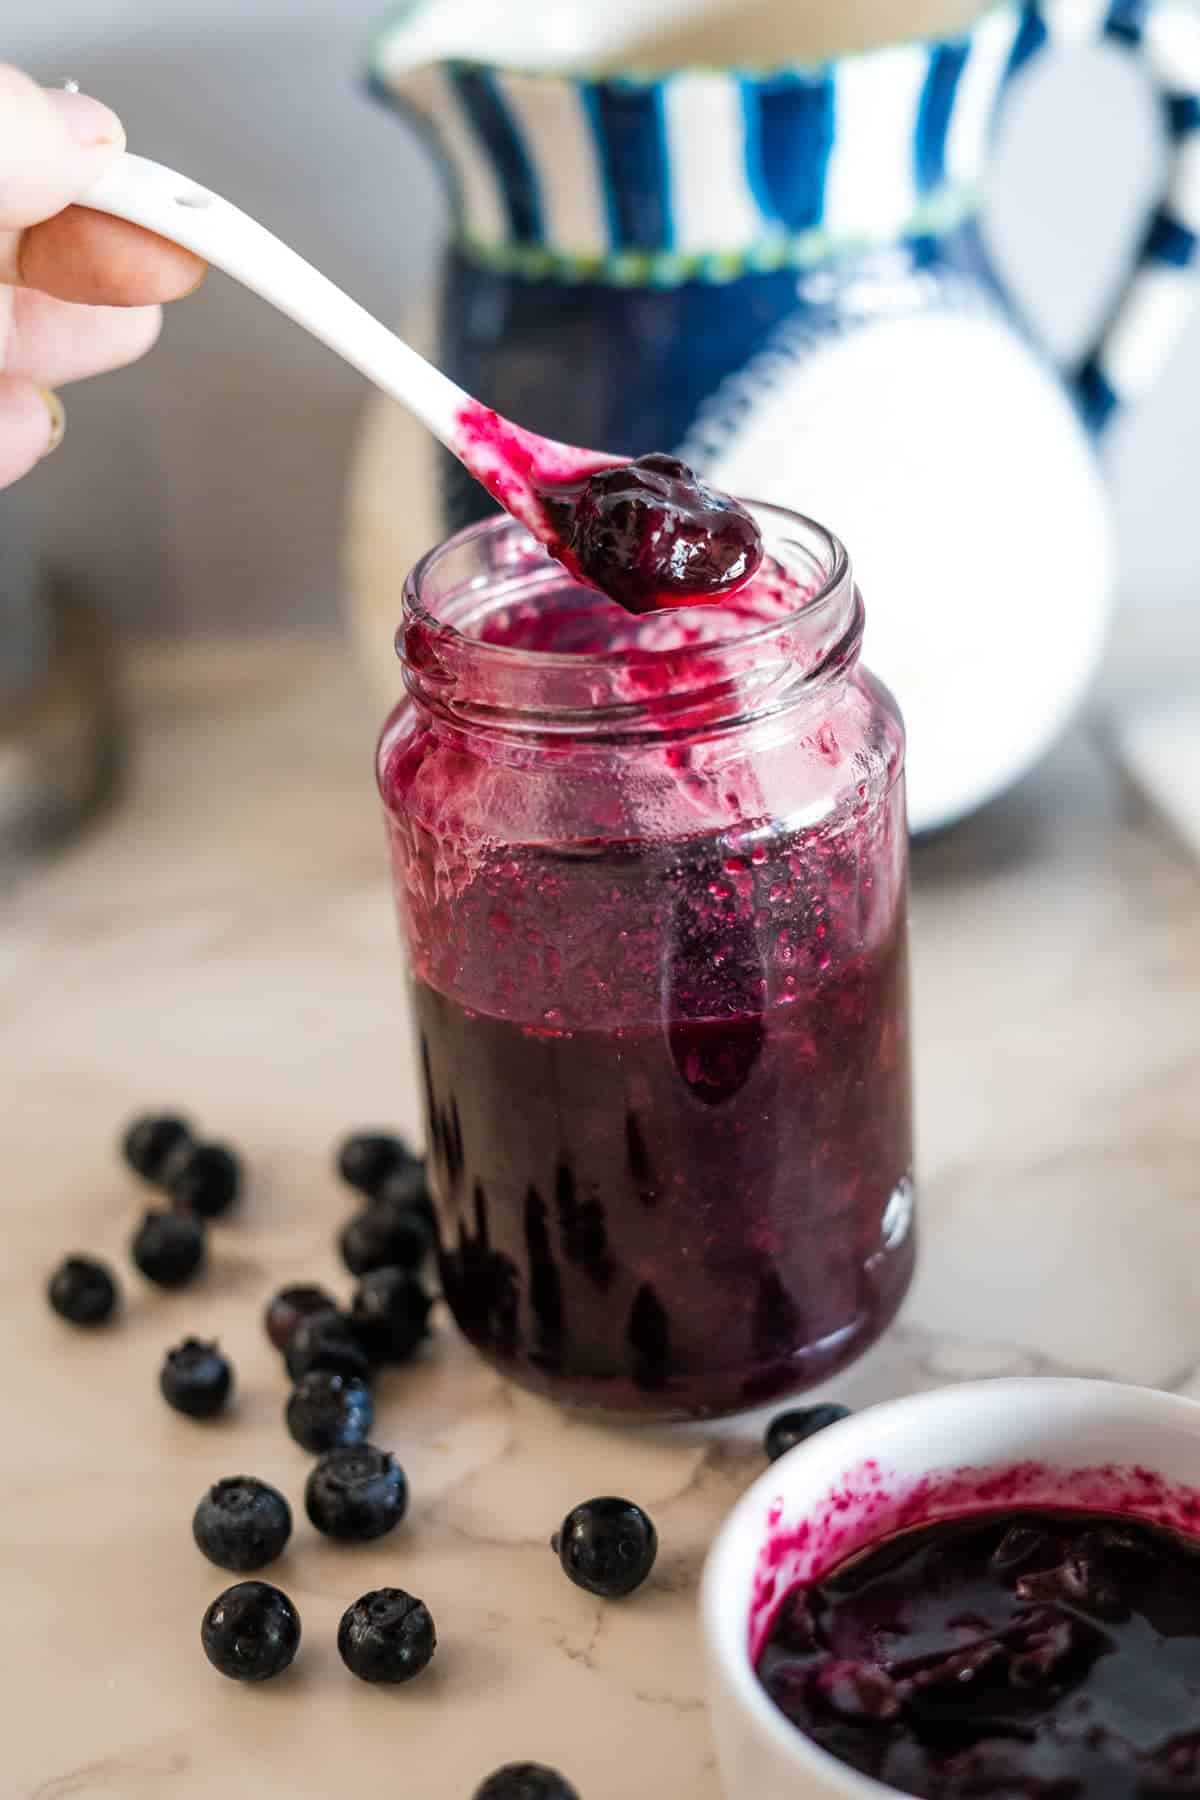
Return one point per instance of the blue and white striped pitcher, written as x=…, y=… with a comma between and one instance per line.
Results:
x=778, y=273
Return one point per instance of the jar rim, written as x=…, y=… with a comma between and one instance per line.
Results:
x=448, y=667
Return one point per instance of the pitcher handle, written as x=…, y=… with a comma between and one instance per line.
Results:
x=1163, y=286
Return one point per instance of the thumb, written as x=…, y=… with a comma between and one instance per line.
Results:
x=31, y=426
x=53, y=146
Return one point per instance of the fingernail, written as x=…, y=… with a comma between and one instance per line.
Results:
x=58, y=420
x=90, y=122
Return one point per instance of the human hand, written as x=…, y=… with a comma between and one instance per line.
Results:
x=79, y=292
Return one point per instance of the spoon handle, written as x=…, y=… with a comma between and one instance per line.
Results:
x=147, y=193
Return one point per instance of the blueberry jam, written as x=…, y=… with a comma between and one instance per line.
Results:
x=1028, y=1654
x=675, y=1214
x=653, y=889
x=649, y=533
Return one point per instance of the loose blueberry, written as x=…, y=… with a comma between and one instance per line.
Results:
x=788, y=1429
x=607, y=1546
x=327, y=1411
x=365, y=1160
x=328, y=1340
x=409, y=1188
x=650, y=533
x=242, y=1524
x=356, y=1494
x=82, y=1291
x=251, y=1632
x=385, y=1236
x=386, y=1636
x=290, y=1305
x=150, y=1142
x=391, y=1313
x=205, y=1179
x=195, y=1379
x=168, y=1248
x=526, y=1781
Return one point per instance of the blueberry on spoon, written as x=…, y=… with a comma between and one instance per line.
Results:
x=651, y=534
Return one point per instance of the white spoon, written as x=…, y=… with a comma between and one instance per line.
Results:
x=536, y=479
x=510, y=462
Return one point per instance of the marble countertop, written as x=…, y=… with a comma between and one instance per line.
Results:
x=225, y=943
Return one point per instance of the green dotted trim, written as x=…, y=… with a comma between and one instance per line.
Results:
x=941, y=213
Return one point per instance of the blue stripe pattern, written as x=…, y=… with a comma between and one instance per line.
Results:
x=1126, y=23
x=1169, y=242
x=1032, y=36
x=1182, y=114
x=631, y=142
x=494, y=126
x=790, y=123
x=1097, y=398
x=933, y=115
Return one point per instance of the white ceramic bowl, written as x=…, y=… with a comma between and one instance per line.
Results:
x=983, y=1446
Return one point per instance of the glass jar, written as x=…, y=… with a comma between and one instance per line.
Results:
x=651, y=873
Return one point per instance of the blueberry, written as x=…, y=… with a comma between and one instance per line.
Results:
x=290, y=1305
x=195, y=1379
x=365, y=1160
x=788, y=1429
x=386, y=1636
x=251, y=1632
x=82, y=1291
x=1081, y=1581
x=327, y=1411
x=1019, y=1546
x=649, y=533
x=391, y=1313
x=242, y=1524
x=385, y=1236
x=327, y=1340
x=409, y=1188
x=151, y=1141
x=356, y=1494
x=670, y=466
x=607, y=1546
x=526, y=1781
x=168, y=1248
x=859, y=1690
x=204, y=1179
